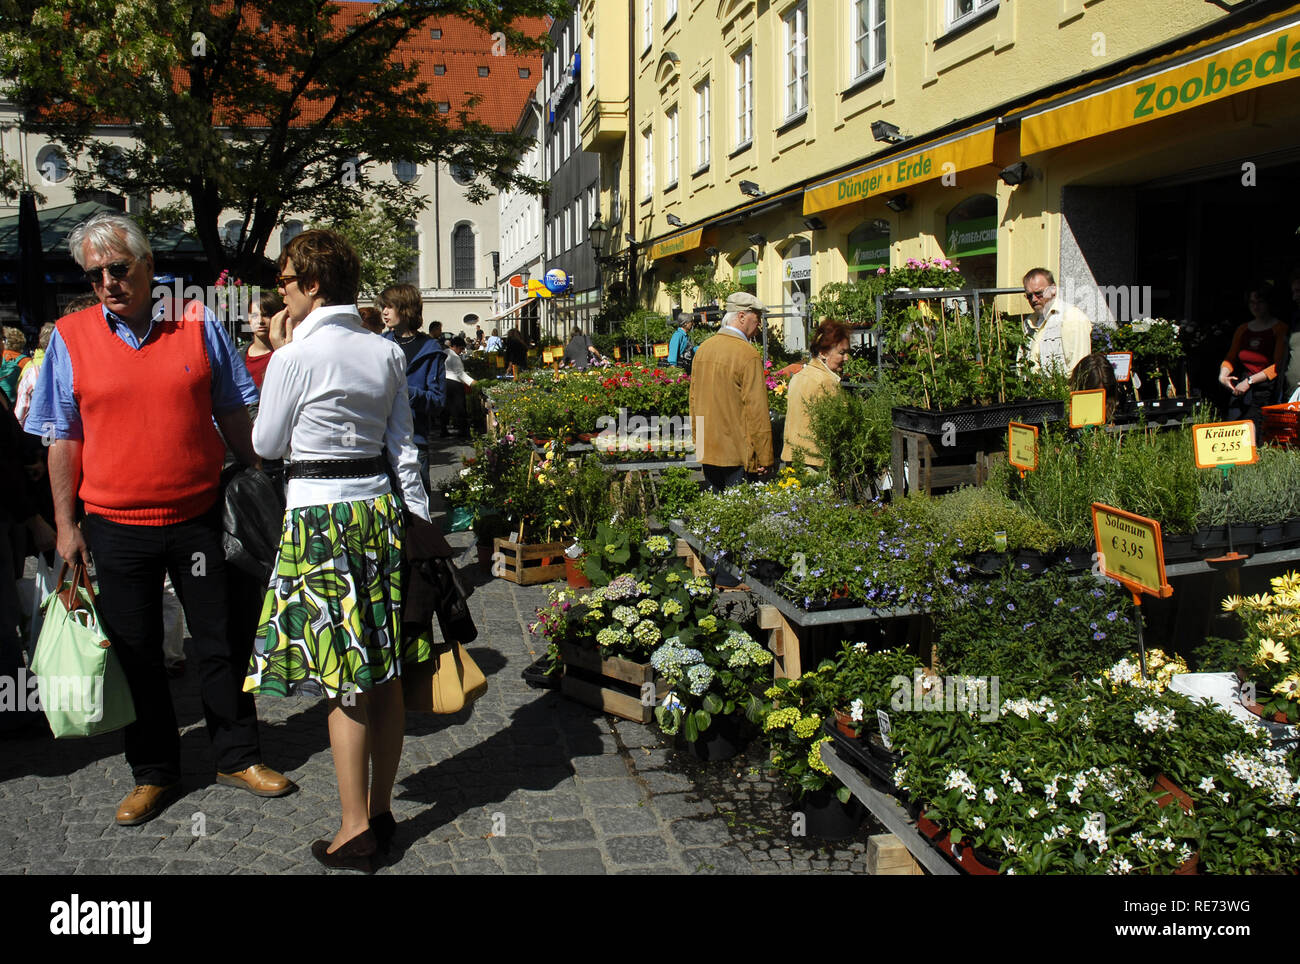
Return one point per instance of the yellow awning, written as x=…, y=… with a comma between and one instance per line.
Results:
x=677, y=244
x=959, y=152
x=1218, y=68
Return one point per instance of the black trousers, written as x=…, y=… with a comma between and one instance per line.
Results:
x=129, y=564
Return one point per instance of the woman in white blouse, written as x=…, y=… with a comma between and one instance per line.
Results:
x=458, y=383
x=333, y=401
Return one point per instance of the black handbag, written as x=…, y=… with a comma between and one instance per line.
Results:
x=252, y=519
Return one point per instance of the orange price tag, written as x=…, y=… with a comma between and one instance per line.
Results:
x=1224, y=443
x=1088, y=408
x=1129, y=549
x=1022, y=446
x=661, y=350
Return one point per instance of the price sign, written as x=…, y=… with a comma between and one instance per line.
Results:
x=1088, y=408
x=1225, y=443
x=1022, y=446
x=661, y=350
x=618, y=354
x=501, y=362
x=1122, y=363
x=547, y=357
x=1129, y=549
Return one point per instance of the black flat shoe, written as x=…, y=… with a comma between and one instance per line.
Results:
x=357, y=854
x=384, y=827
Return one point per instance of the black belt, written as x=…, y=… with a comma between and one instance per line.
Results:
x=336, y=468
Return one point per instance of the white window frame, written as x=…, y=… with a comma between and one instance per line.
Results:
x=978, y=7
x=648, y=28
x=796, y=59
x=591, y=59
x=866, y=40
x=672, y=120
x=647, y=163
x=743, y=64
x=670, y=11
x=703, y=124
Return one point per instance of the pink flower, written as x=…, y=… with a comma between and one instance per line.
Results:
x=880, y=271
x=509, y=437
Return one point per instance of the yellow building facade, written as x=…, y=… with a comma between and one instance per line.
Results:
x=1121, y=144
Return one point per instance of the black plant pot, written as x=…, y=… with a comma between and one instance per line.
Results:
x=724, y=739
x=1272, y=537
x=990, y=563
x=1179, y=549
x=1210, y=542
x=829, y=819
x=1291, y=530
x=1030, y=560
x=1244, y=539
x=1074, y=559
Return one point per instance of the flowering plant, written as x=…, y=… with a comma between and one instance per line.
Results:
x=1267, y=656
x=792, y=727
x=718, y=676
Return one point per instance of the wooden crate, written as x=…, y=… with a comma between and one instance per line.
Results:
x=610, y=685
x=524, y=564
x=783, y=640
x=886, y=856
x=929, y=468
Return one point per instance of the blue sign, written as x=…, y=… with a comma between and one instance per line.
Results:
x=557, y=281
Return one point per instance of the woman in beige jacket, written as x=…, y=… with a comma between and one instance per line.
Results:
x=821, y=376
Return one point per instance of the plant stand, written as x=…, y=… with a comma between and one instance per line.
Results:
x=528, y=564
x=611, y=685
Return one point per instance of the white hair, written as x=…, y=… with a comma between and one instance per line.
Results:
x=105, y=234
x=730, y=318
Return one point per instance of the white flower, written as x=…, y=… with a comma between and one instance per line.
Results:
x=1017, y=786
x=1120, y=865
x=1009, y=844
x=1032, y=812
x=979, y=822
x=1271, y=831
x=1184, y=854
x=856, y=710
x=1092, y=833
x=1207, y=784
x=989, y=795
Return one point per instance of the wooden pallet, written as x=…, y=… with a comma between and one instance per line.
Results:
x=525, y=564
x=611, y=685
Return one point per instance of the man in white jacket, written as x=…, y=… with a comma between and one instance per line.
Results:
x=1060, y=335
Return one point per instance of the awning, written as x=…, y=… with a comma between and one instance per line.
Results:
x=516, y=307
x=1254, y=56
x=962, y=151
x=677, y=243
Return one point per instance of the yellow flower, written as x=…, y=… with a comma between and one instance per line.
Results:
x=1271, y=652
x=1232, y=604
x=1259, y=601
x=1289, y=687
x=1289, y=582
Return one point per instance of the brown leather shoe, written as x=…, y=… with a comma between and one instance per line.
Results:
x=259, y=779
x=144, y=803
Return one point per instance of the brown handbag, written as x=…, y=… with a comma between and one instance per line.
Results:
x=445, y=684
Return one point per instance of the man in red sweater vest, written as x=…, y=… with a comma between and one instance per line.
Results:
x=130, y=401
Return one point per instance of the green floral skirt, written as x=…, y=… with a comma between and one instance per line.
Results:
x=331, y=623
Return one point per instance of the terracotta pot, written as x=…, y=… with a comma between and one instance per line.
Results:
x=844, y=723
x=1190, y=867
x=1172, y=792
x=1278, y=716
x=577, y=579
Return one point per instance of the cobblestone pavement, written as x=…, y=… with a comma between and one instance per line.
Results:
x=524, y=781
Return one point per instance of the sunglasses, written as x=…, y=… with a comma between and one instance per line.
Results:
x=283, y=280
x=1031, y=295
x=118, y=271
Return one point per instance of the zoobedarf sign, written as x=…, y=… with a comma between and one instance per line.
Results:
x=1235, y=65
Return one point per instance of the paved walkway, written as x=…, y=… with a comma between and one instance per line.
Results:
x=524, y=781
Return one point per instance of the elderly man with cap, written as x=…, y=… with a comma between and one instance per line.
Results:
x=730, y=423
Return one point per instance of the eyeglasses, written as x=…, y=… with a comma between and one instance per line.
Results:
x=118, y=271
x=1031, y=295
x=283, y=280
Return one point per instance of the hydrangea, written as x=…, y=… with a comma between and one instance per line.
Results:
x=647, y=607
x=607, y=638
x=658, y=546
x=815, y=757
x=807, y=727
x=670, y=608
x=673, y=578
x=647, y=633
x=700, y=678
x=627, y=615
x=779, y=719
x=622, y=587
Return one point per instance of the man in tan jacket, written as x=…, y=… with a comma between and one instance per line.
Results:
x=730, y=423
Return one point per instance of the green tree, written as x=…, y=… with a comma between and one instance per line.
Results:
x=376, y=231
x=256, y=106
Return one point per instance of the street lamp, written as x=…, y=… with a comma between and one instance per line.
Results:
x=598, y=234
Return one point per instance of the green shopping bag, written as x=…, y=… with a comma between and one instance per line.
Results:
x=82, y=687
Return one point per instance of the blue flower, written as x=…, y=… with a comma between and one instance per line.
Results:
x=1099, y=636
x=1112, y=616
x=988, y=600
x=1011, y=607
x=1057, y=601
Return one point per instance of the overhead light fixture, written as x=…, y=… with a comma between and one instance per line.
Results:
x=898, y=203
x=814, y=224
x=751, y=189
x=679, y=258
x=1017, y=173
x=756, y=239
x=880, y=224
x=886, y=132
x=712, y=252
x=674, y=220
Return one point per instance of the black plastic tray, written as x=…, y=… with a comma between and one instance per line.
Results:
x=974, y=418
x=860, y=756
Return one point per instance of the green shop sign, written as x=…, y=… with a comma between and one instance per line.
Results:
x=747, y=274
x=869, y=256
x=977, y=236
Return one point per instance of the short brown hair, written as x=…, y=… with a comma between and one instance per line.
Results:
x=406, y=301
x=372, y=320
x=325, y=258
x=828, y=334
x=269, y=301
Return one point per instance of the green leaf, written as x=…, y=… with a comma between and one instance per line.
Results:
x=691, y=732
x=843, y=794
x=702, y=720
x=712, y=703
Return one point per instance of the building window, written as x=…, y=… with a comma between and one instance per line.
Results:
x=867, y=249
x=593, y=205
x=647, y=163
x=443, y=107
x=405, y=171
x=483, y=71
x=591, y=60
x=868, y=36
x=462, y=174
x=52, y=164
x=648, y=29
x=462, y=247
x=961, y=10
x=744, y=64
x=670, y=147
x=232, y=232
x=525, y=73
x=703, y=125
x=796, y=60
x=439, y=69
x=409, y=273
x=435, y=33
x=670, y=11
